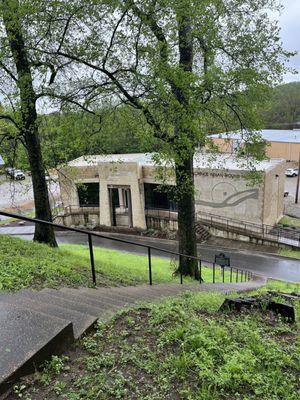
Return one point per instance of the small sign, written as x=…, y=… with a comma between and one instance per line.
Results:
x=222, y=260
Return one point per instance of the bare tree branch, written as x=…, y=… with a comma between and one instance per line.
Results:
x=7, y=70
x=113, y=38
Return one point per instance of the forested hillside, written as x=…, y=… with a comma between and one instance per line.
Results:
x=68, y=135
x=284, y=108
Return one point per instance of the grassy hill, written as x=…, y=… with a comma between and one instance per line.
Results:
x=26, y=264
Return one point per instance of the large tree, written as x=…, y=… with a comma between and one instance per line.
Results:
x=187, y=65
x=18, y=87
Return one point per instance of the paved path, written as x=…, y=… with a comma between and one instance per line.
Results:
x=17, y=230
x=34, y=325
x=268, y=265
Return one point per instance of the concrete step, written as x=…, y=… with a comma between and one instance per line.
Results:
x=101, y=306
x=139, y=293
x=62, y=301
x=164, y=288
x=202, y=232
x=34, y=325
x=81, y=322
x=27, y=338
x=106, y=300
x=125, y=297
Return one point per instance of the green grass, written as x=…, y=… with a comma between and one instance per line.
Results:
x=26, y=264
x=290, y=253
x=182, y=348
x=282, y=286
x=29, y=214
x=290, y=221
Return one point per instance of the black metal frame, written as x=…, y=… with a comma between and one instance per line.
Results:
x=247, y=274
x=264, y=232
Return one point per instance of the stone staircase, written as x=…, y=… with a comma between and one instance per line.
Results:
x=202, y=232
x=36, y=324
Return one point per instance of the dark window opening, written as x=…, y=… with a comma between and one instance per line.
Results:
x=115, y=197
x=155, y=198
x=126, y=200
x=88, y=194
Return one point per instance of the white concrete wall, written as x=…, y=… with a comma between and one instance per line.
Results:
x=228, y=194
x=274, y=195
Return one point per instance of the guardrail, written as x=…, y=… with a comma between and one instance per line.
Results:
x=242, y=275
x=262, y=231
x=265, y=232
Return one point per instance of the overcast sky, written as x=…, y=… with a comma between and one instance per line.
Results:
x=290, y=32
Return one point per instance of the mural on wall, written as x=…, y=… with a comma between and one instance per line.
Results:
x=225, y=194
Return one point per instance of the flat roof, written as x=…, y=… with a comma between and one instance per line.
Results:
x=201, y=161
x=271, y=135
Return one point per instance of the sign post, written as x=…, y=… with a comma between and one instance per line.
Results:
x=224, y=261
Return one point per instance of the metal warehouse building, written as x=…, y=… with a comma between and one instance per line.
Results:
x=282, y=143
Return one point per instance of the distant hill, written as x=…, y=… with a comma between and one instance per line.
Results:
x=284, y=109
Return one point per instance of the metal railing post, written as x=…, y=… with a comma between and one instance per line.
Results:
x=237, y=276
x=150, y=266
x=214, y=273
x=181, y=277
x=231, y=275
x=242, y=273
x=200, y=271
x=223, y=274
x=92, y=258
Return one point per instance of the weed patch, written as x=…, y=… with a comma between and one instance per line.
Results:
x=182, y=348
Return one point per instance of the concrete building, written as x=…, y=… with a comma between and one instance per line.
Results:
x=121, y=190
x=282, y=143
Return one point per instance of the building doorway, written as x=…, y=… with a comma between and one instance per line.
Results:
x=120, y=206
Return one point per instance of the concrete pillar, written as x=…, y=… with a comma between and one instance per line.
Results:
x=105, y=218
x=138, y=210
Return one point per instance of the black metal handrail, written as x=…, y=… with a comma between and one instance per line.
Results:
x=245, y=275
x=266, y=231
x=274, y=233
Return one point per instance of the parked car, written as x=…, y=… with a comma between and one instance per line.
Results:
x=291, y=172
x=9, y=171
x=18, y=175
x=15, y=174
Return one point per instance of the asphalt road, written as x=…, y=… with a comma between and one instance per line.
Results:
x=267, y=265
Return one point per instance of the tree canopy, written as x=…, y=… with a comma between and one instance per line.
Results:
x=187, y=66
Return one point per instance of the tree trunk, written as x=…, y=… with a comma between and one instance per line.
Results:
x=29, y=128
x=184, y=170
x=186, y=217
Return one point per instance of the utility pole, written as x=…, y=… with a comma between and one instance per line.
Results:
x=298, y=179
